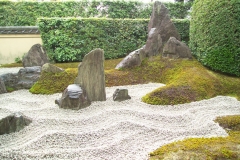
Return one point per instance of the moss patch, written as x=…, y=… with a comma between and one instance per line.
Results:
x=205, y=148
x=50, y=83
x=188, y=81
x=11, y=65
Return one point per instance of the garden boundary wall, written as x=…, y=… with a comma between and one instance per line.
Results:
x=16, y=41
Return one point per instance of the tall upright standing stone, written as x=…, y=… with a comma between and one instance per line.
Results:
x=161, y=20
x=91, y=75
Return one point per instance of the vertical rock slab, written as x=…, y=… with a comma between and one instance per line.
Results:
x=91, y=75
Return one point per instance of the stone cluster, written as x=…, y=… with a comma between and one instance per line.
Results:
x=160, y=31
x=89, y=84
x=24, y=79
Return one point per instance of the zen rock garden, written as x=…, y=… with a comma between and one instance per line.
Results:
x=89, y=85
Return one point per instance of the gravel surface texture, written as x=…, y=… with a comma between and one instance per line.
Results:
x=9, y=70
x=108, y=130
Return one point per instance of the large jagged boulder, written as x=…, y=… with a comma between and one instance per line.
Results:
x=2, y=87
x=36, y=56
x=51, y=68
x=176, y=49
x=74, y=97
x=91, y=75
x=13, y=123
x=24, y=79
x=161, y=20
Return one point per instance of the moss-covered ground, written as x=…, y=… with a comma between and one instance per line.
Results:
x=219, y=148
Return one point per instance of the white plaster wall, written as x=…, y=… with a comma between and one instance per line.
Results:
x=13, y=46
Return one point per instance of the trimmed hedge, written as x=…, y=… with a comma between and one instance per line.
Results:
x=182, y=26
x=26, y=13
x=69, y=39
x=215, y=34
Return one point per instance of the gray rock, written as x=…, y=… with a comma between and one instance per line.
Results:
x=13, y=123
x=154, y=43
x=24, y=79
x=47, y=67
x=161, y=20
x=2, y=87
x=73, y=97
x=133, y=59
x=121, y=95
x=36, y=56
x=10, y=80
x=91, y=75
x=176, y=49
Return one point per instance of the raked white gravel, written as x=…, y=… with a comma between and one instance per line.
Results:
x=108, y=130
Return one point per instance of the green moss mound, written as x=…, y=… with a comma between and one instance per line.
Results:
x=188, y=81
x=215, y=33
x=50, y=83
x=205, y=148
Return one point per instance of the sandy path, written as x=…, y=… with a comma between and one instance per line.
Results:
x=107, y=130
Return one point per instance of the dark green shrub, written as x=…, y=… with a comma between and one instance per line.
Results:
x=178, y=10
x=215, y=34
